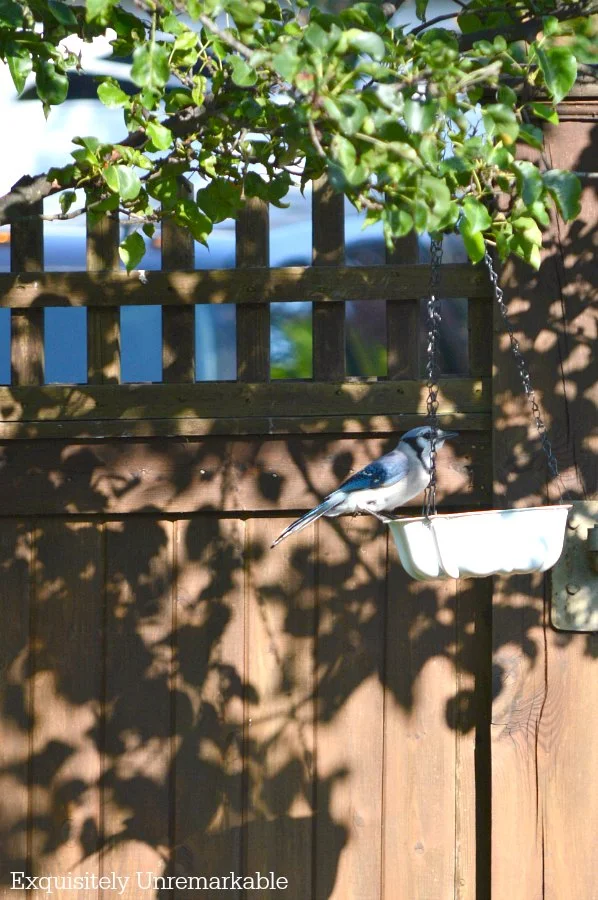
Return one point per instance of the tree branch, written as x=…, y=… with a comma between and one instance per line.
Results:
x=29, y=189
x=528, y=29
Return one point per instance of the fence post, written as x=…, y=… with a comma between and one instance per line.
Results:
x=103, y=323
x=27, y=325
x=178, y=322
x=328, y=234
x=253, y=319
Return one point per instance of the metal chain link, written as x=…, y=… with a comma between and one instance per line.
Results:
x=433, y=370
x=523, y=370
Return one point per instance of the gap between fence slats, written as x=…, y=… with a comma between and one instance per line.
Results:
x=178, y=322
x=253, y=319
x=27, y=326
x=328, y=319
x=103, y=324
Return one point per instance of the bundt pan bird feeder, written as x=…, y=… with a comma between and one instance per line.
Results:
x=481, y=543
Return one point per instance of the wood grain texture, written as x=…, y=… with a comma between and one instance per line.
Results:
x=328, y=241
x=209, y=646
x=65, y=763
x=402, y=317
x=350, y=658
x=480, y=337
x=279, y=800
x=228, y=399
x=255, y=284
x=27, y=326
x=103, y=324
x=15, y=701
x=137, y=782
x=239, y=425
x=542, y=734
x=178, y=323
x=420, y=803
x=49, y=478
x=253, y=319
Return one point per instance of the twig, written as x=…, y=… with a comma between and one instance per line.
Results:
x=315, y=139
x=225, y=35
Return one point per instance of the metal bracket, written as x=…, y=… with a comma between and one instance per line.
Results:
x=575, y=576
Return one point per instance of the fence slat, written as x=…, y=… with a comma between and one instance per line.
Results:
x=328, y=236
x=178, y=322
x=402, y=318
x=27, y=326
x=253, y=319
x=479, y=324
x=103, y=325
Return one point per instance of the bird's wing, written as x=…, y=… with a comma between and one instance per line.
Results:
x=382, y=472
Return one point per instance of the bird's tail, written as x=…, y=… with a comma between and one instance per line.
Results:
x=321, y=510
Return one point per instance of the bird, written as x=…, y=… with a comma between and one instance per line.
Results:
x=383, y=485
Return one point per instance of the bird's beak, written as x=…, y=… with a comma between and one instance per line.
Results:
x=447, y=435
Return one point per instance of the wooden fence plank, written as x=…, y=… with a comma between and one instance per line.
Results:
x=544, y=817
x=273, y=425
x=253, y=319
x=280, y=710
x=178, y=323
x=183, y=476
x=350, y=660
x=479, y=325
x=137, y=783
x=221, y=399
x=15, y=701
x=328, y=236
x=103, y=324
x=209, y=701
x=251, y=285
x=27, y=326
x=67, y=697
x=402, y=317
x=420, y=746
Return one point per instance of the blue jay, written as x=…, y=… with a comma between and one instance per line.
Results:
x=382, y=485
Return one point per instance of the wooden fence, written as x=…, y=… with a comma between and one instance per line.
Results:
x=180, y=700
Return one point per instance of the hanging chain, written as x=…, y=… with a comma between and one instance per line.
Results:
x=433, y=370
x=523, y=371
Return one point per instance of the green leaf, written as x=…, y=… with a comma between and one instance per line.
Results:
x=62, y=13
x=539, y=212
x=397, y=223
x=220, y=200
x=112, y=95
x=150, y=67
x=477, y=216
x=543, y=111
x=99, y=9
x=419, y=116
x=123, y=181
x=160, y=136
x=474, y=242
x=243, y=74
x=66, y=201
x=420, y=9
x=11, y=13
x=565, y=189
x=559, y=68
x=188, y=214
x=132, y=250
x=526, y=249
x=177, y=99
x=316, y=37
x=532, y=135
x=19, y=67
x=529, y=181
x=365, y=42
x=347, y=110
x=287, y=62
x=469, y=23
x=52, y=86
x=344, y=168
x=165, y=190
x=506, y=95
x=501, y=121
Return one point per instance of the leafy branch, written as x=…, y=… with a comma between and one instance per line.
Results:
x=278, y=95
